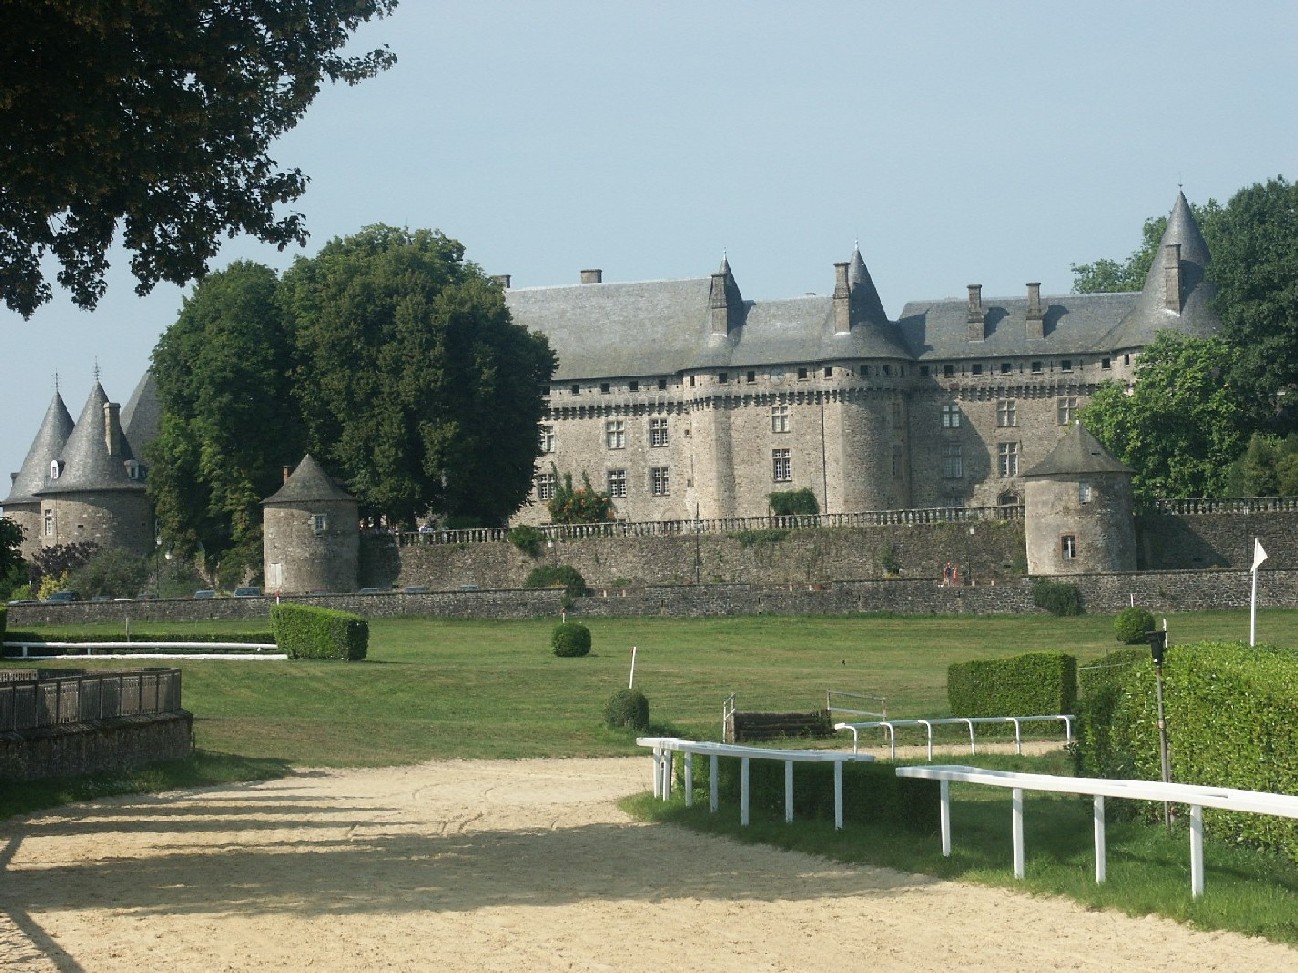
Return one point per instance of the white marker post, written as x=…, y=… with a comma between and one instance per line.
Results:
x=1259, y=556
x=630, y=683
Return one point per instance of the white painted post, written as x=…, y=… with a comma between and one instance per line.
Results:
x=1018, y=740
x=1196, y=851
x=689, y=778
x=838, y=795
x=788, y=791
x=669, y=765
x=946, y=818
x=1019, y=866
x=929, y=727
x=743, y=791
x=972, y=750
x=1101, y=847
x=657, y=757
x=713, y=787
x=630, y=683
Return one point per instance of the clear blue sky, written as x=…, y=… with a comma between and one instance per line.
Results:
x=959, y=142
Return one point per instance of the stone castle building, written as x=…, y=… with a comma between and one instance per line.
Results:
x=684, y=400
x=311, y=538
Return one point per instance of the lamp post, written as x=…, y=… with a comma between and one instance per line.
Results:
x=1158, y=649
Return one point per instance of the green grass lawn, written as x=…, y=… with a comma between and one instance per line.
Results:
x=434, y=688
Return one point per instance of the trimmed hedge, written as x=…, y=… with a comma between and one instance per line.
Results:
x=1232, y=718
x=1099, y=691
x=872, y=792
x=627, y=708
x=1035, y=684
x=308, y=632
x=570, y=640
x=1057, y=597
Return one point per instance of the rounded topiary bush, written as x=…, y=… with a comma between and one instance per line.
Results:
x=570, y=639
x=1131, y=625
x=557, y=576
x=627, y=707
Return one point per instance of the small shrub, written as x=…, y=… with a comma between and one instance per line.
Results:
x=570, y=640
x=769, y=535
x=527, y=539
x=1057, y=597
x=1131, y=625
x=627, y=708
x=794, y=503
x=558, y=576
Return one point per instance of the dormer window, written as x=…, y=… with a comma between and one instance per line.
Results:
x=55, y=467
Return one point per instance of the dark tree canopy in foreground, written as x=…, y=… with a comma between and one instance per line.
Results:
x=152, y=118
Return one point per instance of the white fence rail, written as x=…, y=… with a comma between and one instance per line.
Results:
x=122, y=650
x=890, y=728
x=837, y=701
x=1197, y=796
x=665, y=748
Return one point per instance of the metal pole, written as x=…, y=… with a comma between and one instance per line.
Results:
x=1162, y=740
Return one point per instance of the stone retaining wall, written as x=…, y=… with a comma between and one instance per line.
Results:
x=84, y=748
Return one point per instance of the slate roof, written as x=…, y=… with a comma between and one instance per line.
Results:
x=664, y=327
x=142, y=414
x=309, y=483
x=1077, y=452
x=45, y=448
x=86, y=463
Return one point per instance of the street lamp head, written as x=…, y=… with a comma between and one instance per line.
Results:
x=1157, y=645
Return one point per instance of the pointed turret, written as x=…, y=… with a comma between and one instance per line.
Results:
x=1177, y=293
x=142, y=415
x=725, y=302
x=96, y=456
x=866, y=303
x=46, y=448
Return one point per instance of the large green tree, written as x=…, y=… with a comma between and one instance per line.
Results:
x=414, y=383
x=1180, y=427
x=230, y=423
x=155, y=116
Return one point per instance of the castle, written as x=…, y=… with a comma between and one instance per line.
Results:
x=685, y=401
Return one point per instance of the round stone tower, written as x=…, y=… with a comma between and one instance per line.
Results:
x=1078, y=510
x=311, y=534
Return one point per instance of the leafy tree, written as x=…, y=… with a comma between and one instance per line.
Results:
x=1268, y=468
x=112, y=573
x=229, y=420
x=60, y=560
x=578, y=505
x=1181, y=427
x=414, y=382
x=155, y=115
x=12, y=573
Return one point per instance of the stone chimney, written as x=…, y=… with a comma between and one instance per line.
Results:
x=842, y=300
x=1036, y=316
x=1172, y=277
x=976, y=317
x=113, y=428
x=592, y=276
x=502, y=280
x=288, y=471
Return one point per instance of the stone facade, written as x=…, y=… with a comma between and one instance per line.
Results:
x=683, y=400
x=311, y=541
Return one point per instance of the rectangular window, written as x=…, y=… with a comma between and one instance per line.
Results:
x=829, y=371
x=1006, y=413
x=547, y=439
x=545, y=486
x=1066, y=365
x=615, y=433
x=1083, y=492
x=575, y=389
x=1068, y=547
x=659, y=481
x=802, y=373
x=1106, y=363
x=895, y=407
x=1036, y=368
x=319, y=523
x=691, y=381
x=977, y=368
x=779, y=418
x=603, y=388
x=923, y=371
x=781, y=466
x=658, y=431
x=1008, y=455
x=662, y=385
x=723, y=377
x=49, y=523
x=617, y=483
x=1006, y=368
x=752, y=377
x=633, y=387
x=950, y=417
x=1067, y=408
x=948, y=371
x=952, y=460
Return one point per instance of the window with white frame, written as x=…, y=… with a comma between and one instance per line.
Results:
x=952, y=460
x=782, y=465
x=779, y=418
x=1006, y=413
x=1008, y=456
x=1067, y=409
x=545, y=483
x=658, y=431
x=319, y=523
x=950, y=416
x=1068, y=547
x=547, y=439
x=617, y=483
x=1083, y=492
x=615, y=433
x=659, y=481
x=49, y=522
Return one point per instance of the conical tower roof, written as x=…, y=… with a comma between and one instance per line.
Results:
x=865, y=296
x=46, y=447
x=1077, y=452
x=87, y=464
x=308, y=483
x=142, y=415
x=1154, y=311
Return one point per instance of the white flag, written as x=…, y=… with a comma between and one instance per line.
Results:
x=1259, y=555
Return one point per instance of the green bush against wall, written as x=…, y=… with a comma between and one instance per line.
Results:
x=308, y=632
x=1035, y=684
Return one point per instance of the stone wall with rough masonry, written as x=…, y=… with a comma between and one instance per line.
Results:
x=83, y=748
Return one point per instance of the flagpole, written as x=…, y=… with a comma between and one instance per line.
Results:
x=1259, y=555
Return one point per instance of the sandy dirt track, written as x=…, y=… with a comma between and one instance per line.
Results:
x=509, y=866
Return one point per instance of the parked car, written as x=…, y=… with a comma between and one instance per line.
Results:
x=249, y=591
x=62, y=597
x=205, y=593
